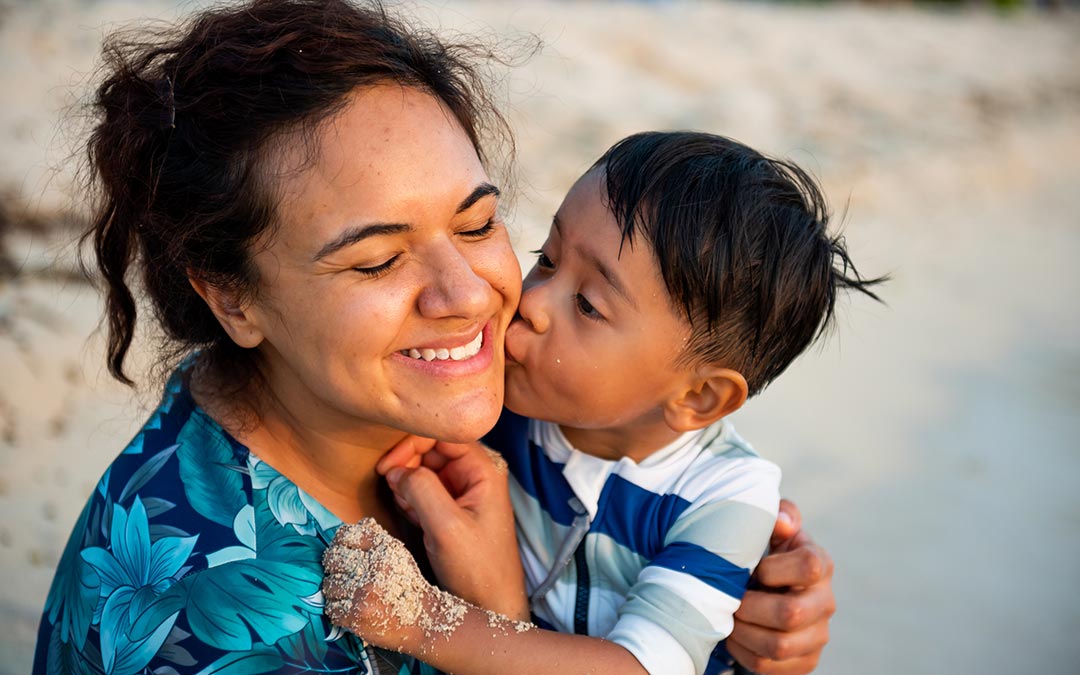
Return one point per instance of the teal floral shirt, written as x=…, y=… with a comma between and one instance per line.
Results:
x=193, y=556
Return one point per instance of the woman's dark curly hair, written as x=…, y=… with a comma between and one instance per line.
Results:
x=186, y=124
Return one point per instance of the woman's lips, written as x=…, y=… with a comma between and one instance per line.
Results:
x=476, y=356
x=459, y=353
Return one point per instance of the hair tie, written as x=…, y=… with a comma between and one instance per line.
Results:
x=165, y=93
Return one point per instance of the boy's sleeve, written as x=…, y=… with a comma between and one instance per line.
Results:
x=683, y=601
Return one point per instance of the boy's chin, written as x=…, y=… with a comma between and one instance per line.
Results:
x=516, y=405
x=519, y=402
x=526, y=407
x=521, y=399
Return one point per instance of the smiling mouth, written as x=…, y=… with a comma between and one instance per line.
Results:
x=452, y=354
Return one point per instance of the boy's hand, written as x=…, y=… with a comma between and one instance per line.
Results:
x=782, y=626
x=373, y=587
x=459, y=496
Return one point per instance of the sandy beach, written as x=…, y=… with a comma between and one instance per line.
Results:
x=931, y=442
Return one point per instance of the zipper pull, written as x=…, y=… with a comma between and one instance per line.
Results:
x=578, y=529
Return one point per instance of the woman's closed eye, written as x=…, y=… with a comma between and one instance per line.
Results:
x=480, y=232
x=376, y=270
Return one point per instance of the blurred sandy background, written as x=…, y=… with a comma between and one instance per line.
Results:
x=932, y=444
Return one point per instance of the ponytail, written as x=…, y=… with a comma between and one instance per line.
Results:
x=186, y=120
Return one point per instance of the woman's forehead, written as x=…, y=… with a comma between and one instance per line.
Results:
x=392, y=152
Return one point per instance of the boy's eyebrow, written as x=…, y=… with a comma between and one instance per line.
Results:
x=361, y=232
x=605, y=271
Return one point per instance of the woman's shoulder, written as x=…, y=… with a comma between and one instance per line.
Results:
x=189, y=552
x=183, y=468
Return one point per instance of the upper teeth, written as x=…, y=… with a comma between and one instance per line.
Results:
x=456, y=353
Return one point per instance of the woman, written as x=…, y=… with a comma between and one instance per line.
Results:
x=301, y=188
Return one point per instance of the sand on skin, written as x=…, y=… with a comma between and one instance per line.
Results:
x=931, y=444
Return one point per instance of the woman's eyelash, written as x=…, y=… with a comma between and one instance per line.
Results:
x=482, y=231
x=377, y=269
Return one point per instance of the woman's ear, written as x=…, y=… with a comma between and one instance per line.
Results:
x=712, y=394
x=233, y=315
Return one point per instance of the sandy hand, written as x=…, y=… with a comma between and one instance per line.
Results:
x=459, y=495
x=373, y=588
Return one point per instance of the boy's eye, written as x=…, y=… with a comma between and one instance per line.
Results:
x=481, y=231
x=586, y=309
x=376, y=270
x=542, y=261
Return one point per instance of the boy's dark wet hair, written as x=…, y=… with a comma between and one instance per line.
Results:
x=742, y=244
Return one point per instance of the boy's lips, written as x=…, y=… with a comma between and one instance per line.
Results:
x=508, y=347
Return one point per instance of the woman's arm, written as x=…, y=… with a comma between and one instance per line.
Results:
x=373, y=588
x=783, y=624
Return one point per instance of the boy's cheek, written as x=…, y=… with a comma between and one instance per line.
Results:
x=516, y=398
x=524, y=398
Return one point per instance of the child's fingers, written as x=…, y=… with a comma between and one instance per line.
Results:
x=425, y=496
x=444, y=453
x=338, y=587
x=406, y=509
x=455, y=450
x=358, y=536
x=459, y=466
x=339, y=612
x=399, y=455
x=471, y=472
x=408, y=453
x=342, y=560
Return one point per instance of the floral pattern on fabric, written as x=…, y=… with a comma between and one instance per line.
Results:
x=193, y=556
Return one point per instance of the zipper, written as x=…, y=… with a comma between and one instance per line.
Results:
x=581, y=602
x=575, y=537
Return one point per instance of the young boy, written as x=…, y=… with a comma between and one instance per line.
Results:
x=682, y=273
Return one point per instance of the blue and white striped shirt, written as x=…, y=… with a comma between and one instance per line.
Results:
x=654, y=556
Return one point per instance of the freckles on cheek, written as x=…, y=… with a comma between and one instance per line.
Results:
x=382, y=309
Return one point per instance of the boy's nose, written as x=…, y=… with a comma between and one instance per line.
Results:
x=532, y=307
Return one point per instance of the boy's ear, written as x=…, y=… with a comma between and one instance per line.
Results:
x=714, y=393
x=233, y=316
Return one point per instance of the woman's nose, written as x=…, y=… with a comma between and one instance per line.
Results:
x=455, y=288
x=533, y=306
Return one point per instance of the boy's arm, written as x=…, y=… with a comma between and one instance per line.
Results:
x=459, y=495
x=373, y=588
x=682, y=603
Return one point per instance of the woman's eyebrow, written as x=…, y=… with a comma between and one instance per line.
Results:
x=361, y=232
x=358, y=233
x=479, y=192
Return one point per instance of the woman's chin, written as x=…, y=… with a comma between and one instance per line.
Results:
x=467, y=432
x=461, y=426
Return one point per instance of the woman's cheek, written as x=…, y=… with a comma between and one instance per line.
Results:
x=500, y=266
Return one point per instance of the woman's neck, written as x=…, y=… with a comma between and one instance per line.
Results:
x=334, y=468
